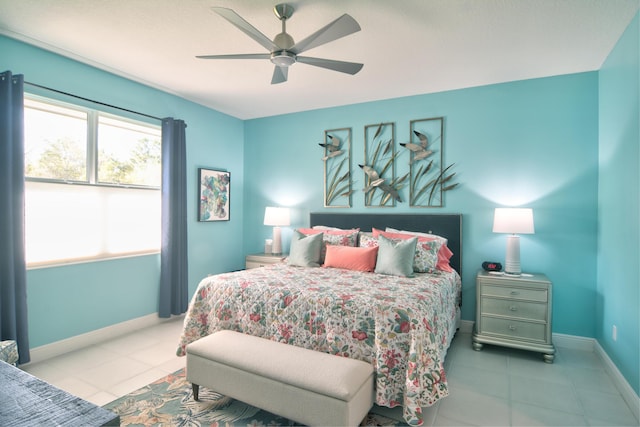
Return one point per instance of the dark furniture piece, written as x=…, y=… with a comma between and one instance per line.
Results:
x=28, y=401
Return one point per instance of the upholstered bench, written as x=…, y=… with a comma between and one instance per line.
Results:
x=306, y=386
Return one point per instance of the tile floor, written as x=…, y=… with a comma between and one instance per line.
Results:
x=494, y=387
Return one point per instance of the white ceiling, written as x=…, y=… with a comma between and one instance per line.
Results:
x=408, y=47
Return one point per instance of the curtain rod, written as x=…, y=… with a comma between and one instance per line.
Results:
x=91, y=100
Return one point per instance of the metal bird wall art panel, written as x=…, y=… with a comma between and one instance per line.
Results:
x=429, y=179
x=337, y=168
x=381, y=187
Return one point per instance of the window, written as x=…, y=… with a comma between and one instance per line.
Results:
x=92, y=184
x=128, y=153
x=55, y=141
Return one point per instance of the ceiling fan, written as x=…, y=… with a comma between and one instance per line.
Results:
x=283, y=51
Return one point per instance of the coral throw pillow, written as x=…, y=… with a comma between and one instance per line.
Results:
x=351, y=258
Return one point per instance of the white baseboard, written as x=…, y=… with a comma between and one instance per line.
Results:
x=591, y=344
x=573, y=342
x=588, y=344
x=466, y=326
x=628, y=394
x=47, y=351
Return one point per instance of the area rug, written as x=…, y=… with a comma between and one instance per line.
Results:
x=169, y=402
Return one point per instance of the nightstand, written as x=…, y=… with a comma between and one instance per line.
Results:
x=260, y=260
x=514, y=311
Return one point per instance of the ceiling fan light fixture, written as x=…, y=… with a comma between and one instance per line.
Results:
x=283, y=58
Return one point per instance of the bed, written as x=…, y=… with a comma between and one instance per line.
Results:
x=402, y=325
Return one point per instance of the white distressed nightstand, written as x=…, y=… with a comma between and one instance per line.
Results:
x=260, y=260
x=514, y=311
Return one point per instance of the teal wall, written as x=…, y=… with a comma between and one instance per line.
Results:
x=618, y=293
x=531, y=143
x=70, y=300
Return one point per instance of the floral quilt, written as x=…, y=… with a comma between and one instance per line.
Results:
x=402, y=326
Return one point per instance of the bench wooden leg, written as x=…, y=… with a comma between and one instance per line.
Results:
x=195, y=388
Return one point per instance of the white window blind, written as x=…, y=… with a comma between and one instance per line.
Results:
x=74, y=222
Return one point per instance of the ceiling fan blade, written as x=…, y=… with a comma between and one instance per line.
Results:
x=245, y=27
x=341, y=27
x=237, y=56
x=280, y=75
x=341, y=66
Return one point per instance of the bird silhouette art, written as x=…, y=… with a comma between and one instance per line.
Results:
x=419, y=150
x=376, y=182
x=333, y=147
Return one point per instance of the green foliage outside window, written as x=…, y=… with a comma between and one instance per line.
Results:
x=57, y=147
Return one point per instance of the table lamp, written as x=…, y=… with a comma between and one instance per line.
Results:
x=276, y=217
x=513, y=221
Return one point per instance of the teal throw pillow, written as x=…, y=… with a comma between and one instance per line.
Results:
x=395, y=257
x=305, y=250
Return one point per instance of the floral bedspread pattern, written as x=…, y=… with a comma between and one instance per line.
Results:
x=403, y=326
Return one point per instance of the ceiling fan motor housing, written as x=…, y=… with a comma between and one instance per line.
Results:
x=283, y=41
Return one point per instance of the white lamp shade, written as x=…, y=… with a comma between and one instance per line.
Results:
x=277, y=216
x=513, y=221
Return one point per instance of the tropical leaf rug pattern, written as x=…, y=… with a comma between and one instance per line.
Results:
x=169, y=402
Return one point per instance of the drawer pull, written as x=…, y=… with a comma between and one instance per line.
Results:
x=512, y=327
x=513, y=308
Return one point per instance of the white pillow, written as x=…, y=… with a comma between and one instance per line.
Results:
x=417, y=233
x=326, y=227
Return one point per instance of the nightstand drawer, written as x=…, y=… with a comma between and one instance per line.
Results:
x=514, y=329
x=515, y=293
x=261, y=260
x=515, y=308
x=251, y=264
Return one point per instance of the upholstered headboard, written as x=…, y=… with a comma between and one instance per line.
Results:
x=445, y=225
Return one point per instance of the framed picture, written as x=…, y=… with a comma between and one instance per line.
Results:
x=213, y=195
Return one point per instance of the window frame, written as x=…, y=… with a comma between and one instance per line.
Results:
x=91, y=161
x=93, y=119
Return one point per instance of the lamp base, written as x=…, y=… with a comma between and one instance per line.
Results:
x=276, y=248
x=512, y=260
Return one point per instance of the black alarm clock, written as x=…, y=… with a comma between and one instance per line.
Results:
x=491, y=266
